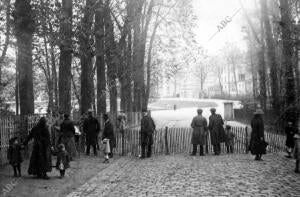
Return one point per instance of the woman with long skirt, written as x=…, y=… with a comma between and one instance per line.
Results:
x=40, y=159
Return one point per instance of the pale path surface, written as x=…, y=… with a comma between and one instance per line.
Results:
x=183, y=175
x=182, y=117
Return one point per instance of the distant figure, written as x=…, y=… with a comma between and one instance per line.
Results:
x=68, y=136
x=14, y=156
x=63, y=160
x=257, y=141
x=91, y=128
x=121, y=126
x=217, y=133
x=297, y=151
x=108, y=133
x=147, y=129
x=40, y=159
x=199, y=125
x=290, y=131
x=229, y=139
x=121, y=122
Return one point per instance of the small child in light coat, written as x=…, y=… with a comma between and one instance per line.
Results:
x=297, y=151
x=14, y=155
x=63, y=160
x=229, y=139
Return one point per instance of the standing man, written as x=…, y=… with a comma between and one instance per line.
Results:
x=108, y=133
x=217, y=133
x=91, y=129
x=147, y=129
x=68, y=136
x=56, y=126
x=199, y=125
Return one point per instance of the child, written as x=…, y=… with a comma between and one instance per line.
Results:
x=14, y=155
x=229, y=139
x=63, y=160
x=297, y=151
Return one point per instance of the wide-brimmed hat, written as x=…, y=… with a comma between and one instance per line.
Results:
x=258, y=111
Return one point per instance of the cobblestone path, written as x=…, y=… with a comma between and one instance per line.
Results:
x=183, y=175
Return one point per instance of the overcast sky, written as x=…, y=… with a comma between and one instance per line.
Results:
x=210, y=14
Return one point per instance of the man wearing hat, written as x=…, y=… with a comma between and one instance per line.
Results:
x=91, y=128
x=147, y=129
x=217, y=133
x=199, y=125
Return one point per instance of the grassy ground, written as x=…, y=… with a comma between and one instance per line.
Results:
x=82, y=169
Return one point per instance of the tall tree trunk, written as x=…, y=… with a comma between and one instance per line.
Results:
x=271, y=56
x=138, y=75
x=234, y=77
x=54, y=75
x=262, y=78
x=65, y=63
x=149, y=61
x=7, y=36
x=49, y=79
x=24, y=28
x=127, y=86
x=110, y=51
x=17, y=97
x=100, y=63
x=52, y=40
x=287, y=49
x=86, y=55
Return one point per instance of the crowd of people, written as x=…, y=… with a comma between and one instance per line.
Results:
x=60, y=140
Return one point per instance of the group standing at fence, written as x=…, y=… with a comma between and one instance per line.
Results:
x=61, y=142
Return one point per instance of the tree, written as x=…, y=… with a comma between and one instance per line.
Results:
x=7, y=36
x=24, y=28
x=270, y=45
x=287, y=50
x=64, y=83
x=100, y=63
x=86, y=54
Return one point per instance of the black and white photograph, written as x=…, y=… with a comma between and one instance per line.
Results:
x=134, y=98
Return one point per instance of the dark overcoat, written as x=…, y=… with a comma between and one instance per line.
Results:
x=14, y=155
x=108, y=133
x=91, y=128
x=199, y=125
x=257, y=142
x=217, y=133
x=68, y=136
x=290, y=132
x=147, y=129
x=40, y=159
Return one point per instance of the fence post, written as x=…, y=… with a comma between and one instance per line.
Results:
x=166, y=141
x=123, y=142
x=247, y=145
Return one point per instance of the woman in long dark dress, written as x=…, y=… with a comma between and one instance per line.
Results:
x=257, y=142
x=40, y=159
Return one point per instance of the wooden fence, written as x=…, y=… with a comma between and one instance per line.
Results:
x=14, y=126
x=19, y=126
x=166, y=140
x=178, y=140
